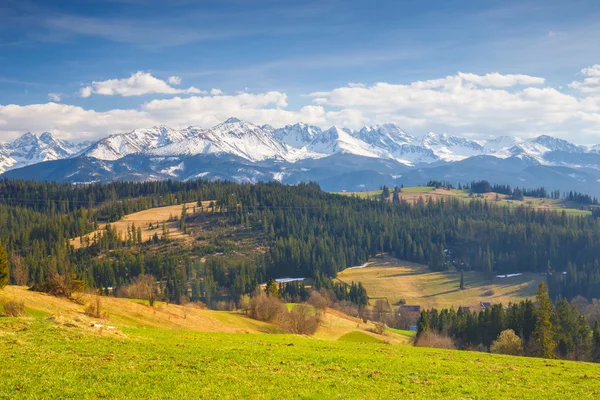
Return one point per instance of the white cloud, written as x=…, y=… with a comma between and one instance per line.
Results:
x=174, y=80
x=498, y=80
x=594, y=70
x=54, y=97
x=481, y=105
x=137, y=84
x=216, y=92
x=591, y=84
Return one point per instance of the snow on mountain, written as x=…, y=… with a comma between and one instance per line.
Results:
x=386, y=136
x=500, y=143
x=293, y=143
x=298, y=135
x=555, y=144
x=137, y=141
x=236, y=137
x=340, y=140
x=30, y=149
x=451, y=148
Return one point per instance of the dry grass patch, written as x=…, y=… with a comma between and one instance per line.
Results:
x=143, y=219
x=395, y=280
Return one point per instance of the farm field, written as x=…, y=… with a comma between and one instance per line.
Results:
x=53, y=356
x=395, y=279
x=143, y=219
x=412, y=194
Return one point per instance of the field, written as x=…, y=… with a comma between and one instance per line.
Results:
x=394, y=279
x=49, y=354
x=143, y=219
x=412, y=194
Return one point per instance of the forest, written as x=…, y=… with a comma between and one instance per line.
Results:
x=306, y=232
x=544, y=330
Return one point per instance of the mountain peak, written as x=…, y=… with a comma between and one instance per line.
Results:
x=232, y=120
x=47, y=138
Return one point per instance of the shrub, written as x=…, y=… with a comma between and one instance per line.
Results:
x=379, y=328
x=347, y=307
x=507, y=343
x=435, y=340
x=244, y=303
x=300, y=321
x=94, y=309
x=488, y=293
x=318, y=300
x=59, y=286
x=14, y=308
x=266, y=308
x=143, y=287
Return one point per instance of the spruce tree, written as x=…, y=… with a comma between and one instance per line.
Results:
x=542, y=334
x=462, y=280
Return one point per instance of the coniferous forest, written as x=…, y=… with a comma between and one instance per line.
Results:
x=307, y=233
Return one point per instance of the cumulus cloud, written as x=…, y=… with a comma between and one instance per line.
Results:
x=480, y=105
x=473, y=103
x=54, y=97
x=137, y=84
x=174, y=80
x=591, y=84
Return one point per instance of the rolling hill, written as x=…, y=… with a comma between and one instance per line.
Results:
x=153, y=351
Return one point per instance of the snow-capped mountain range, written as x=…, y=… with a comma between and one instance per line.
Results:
x=289, y=150
x=32, y=149
x=290, y=143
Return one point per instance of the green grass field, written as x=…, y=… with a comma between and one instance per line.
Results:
x=395, y=280
x=40, y=358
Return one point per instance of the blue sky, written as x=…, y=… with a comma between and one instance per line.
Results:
x=50, y=50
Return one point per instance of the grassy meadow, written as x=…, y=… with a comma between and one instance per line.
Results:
x=395, y=279
x=44, y=358
x=412, y=194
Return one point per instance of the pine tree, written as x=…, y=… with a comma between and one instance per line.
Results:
x=542, y=334
x=271, y=288
x=462, y=280
x=4, y=272
x=423, y=324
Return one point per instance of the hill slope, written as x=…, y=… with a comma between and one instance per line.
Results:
x=45, y=357
x=395, y=279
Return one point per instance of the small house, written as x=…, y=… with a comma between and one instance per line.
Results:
x=410, y=309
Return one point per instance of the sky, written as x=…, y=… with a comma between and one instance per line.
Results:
x=480, y=69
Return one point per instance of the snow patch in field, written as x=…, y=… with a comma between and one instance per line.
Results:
x=359, y=266
x=286, y=280
x=509, y=275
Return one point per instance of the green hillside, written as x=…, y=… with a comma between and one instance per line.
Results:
x=44, y=358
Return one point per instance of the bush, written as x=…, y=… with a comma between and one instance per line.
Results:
x=379, y=328
x=94, y=309
x=300, y=321
x=267, y=308
x=244, y=303
x=14, y=308
x=59, y=286
x=507, y=343
x=488, y=293
x=318, y=300
x=435, y=340
x=143, y=287
x=347, y=307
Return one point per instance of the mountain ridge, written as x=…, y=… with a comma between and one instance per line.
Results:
x=375, y=154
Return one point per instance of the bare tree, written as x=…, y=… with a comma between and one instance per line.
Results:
x=382, y=307
x=20, y=270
